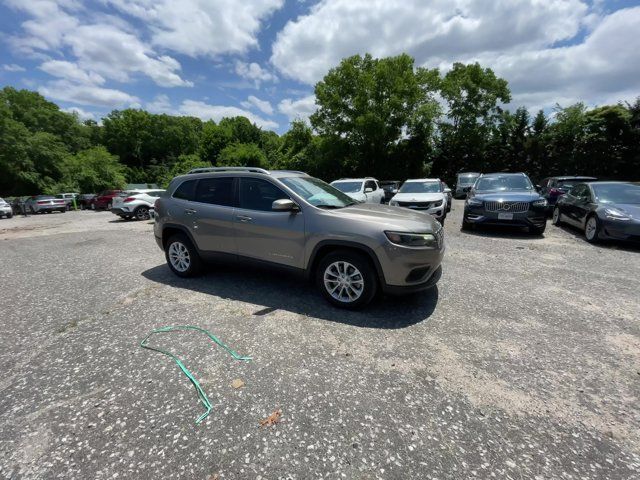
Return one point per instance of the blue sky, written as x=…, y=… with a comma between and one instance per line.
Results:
x=261, y=58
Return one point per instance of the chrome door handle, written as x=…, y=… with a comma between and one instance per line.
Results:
x=244, y=218
x=189, y=211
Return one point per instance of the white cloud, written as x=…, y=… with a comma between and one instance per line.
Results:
x=549, y=51
x=82, y=114
x=160, y=104
x=205, y=111
x=254, y=72
x=299, y=109
x=66, y=91
x=605, y=68
x=70, y=71
x=263, y=105
x=106, y=48
x=202, y=27
x=13, y=68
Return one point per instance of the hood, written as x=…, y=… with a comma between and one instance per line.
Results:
x=418, y=197
x=631, y=209
x=356, y=196
x=390, y=218
x=513, y=196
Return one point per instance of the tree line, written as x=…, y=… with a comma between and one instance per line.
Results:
x=375, y=117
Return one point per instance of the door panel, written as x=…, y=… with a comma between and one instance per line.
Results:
x=263, y=234
x=213, y=215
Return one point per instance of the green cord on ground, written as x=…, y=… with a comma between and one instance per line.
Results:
x=203, y=396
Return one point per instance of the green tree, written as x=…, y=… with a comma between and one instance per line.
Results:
x=213, y=140
x=370, y=105
x=90, y=170
x=243, y=155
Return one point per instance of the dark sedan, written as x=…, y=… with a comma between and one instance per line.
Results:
x=505, y=199
x=553, y=188
x=603, y=210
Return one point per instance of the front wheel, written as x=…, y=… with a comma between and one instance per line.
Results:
x=466, y=225
x=346, y=279
x=555, y=218
x=537, y=230
x=182, y=257
x=592, y=229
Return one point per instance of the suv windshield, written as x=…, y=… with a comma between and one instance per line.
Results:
x=504, y=182
x=348, y=187
x=420, y=187
x=317, y=192
x=617, y=193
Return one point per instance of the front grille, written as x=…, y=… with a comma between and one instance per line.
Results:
x=511, y=207
x=421, y=204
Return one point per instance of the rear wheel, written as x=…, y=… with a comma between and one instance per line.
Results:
x=555, y=218
x=346, y=279
x=592, y=229
x=142, y=213
x=182, y=257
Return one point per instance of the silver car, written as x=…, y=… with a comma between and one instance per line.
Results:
x=291, y=220
x=5, y=209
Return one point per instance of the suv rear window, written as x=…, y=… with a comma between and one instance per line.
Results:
x=216, y=191
x=186, y=190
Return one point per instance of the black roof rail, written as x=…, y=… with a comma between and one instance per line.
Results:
x=228, y=169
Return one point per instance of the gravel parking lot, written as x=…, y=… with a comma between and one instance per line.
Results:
x=523, y=363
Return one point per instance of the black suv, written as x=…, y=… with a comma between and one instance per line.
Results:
x=505, y=199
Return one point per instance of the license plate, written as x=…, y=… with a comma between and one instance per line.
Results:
x=505, y=216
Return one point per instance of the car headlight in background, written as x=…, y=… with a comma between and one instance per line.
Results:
x=393, y=203
x=473, y=201
x=427, y=240
x=613, y=214
x=540, y=203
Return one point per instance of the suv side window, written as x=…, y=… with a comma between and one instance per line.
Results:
x=257, y=194
x=186, y=190
x=216, y=191
x=370, y=184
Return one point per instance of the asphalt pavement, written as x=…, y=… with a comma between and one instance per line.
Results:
x=524, y=363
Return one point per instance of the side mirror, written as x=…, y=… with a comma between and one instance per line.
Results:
x=284, y=205
x=368, y=190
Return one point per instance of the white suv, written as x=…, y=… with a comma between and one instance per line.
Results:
x=135, y=204
x=365, y=190
x=425, y=194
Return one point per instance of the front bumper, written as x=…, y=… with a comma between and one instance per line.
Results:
x=6, y=210
x=534, y=217
x=621, y=230
x=407, y=269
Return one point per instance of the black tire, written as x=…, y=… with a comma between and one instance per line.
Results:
x=466, y=226
x=537, y=230
x=366, y=274
x=195, y=263
x=142, y=213
x=555, y=217
x=596, y=233
x=9, y=215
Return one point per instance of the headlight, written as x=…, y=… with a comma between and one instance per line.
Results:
x=427, y=240
x=438, y=204
x=473, y=201
x=613, y=214
x=540, y=203
x=393, y=203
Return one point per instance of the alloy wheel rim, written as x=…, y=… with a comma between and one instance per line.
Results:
x=343, y=281
x=591, y=228
x=142, y=214
x=179, y=256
